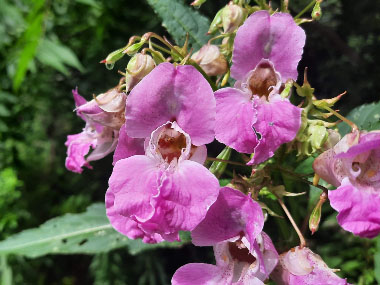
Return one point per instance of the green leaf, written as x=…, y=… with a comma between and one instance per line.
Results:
x=180, y=19
x=85, y=233
x=29, y=42
x=366, y=117
x=377, y=261
x=56, y=55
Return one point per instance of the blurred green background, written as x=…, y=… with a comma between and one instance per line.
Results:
x=48, y=47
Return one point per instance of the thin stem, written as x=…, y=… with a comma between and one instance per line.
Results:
x=226, y=161
x=161, y=48
x=344, y=119
x=302, y=239
x=307, y=8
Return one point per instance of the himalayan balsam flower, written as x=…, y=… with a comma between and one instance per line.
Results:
x=155, y=195
x=300, y=266
x=353, y=165
x=252, y=116
x=244, y=254
x=101, y=138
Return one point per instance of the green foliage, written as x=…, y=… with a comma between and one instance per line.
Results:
x=179, y=19
x=366, y=117
x=377, y=260
x=87, y=233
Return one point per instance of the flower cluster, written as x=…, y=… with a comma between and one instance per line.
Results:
x=164, y=112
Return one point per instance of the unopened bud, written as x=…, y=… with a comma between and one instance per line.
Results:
x=218, y=167
x=232, y=17
x=138, y=67
x=216, y=23
x=333, y=138
x=315, y=216
x=316, y=14
x=198, y=3
x=211, y=60
x=114, y=56
x=133, y=49
x=318, y=136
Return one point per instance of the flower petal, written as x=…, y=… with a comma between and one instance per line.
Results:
x=200, y=274
x=185, y=195
x=234, y=118
x=277, y=123
x=127, y=146
x=275, y=37
x=358, y=209
x=232, y=213
x=133, y=182
x=78, y=146
x=171, y=93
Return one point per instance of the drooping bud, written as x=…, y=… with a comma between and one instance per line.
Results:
x=138, y=67
x=262, y=79
x=232, y=17
x=333, y=138
x=316, y=14
x=317, y=136
x=315, y=216
x=211, y=60
x=218, y=167
x=133, y=49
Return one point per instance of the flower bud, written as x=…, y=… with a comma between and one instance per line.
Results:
x=232, y=16
x=218, y=167
x=333, y=138
x=210, y=60
x=315, y=216
x=316, y=14
x=114, y=56
x=139, y=66
x=216, y=23
x=198, y=3
x=133, y=49
x=318, y=136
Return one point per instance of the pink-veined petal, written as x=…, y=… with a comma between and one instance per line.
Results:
x=171, y=93
x=127, y=146
x=277, y=123
x=200, y=274
x=358, y=208
x=275, y=37
x=234, y=118
x=78, y=146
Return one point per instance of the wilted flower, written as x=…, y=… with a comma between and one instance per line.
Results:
x=211, y=60
x=102, y=139
x=252, y=116
x=301, y=266
x=244, y=254
x=353, y=165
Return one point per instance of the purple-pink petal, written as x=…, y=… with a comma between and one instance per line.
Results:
x=200, y=274
x=171, y=93
x=234, y=118
x=277, y=123
x=277, y=38
x=78, y=146
x=233, y=213
x=359, y=210
x=127, y=146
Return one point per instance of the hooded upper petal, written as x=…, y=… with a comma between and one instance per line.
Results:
x=233, y=213
x=359, y=210
x=277, y=123
x=234, y=118
x=277, y=38
x=172, y=93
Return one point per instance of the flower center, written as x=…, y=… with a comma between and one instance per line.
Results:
x=171, y=143
x=240, y=253
x=262, y=79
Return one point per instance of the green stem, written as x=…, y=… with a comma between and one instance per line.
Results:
x=161, y=48
x=226, y=161
x=307, y=8
x=344, y=119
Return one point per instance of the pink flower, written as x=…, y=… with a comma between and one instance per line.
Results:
x=244, y=254
x=101, y=139
x=300, y=266
x=252, y=116
x=353, y=165
x=154, y=196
